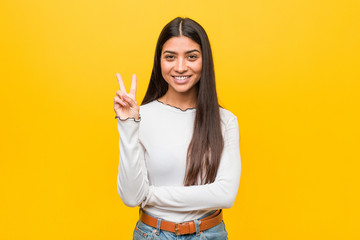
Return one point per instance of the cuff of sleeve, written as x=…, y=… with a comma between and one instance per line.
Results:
x=124, y=119
x=147, y=197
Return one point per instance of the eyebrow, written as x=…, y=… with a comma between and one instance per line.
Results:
x=190, y=51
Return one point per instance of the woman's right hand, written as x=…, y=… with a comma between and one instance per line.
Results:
x=125, y=105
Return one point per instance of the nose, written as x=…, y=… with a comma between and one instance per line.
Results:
x=180, y=65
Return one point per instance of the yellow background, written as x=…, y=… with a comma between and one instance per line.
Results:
x=288, y=69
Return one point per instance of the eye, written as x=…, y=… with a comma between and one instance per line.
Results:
x=192, y=57
x=169, y=57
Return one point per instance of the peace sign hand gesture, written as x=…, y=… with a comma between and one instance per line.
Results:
x=125, y=105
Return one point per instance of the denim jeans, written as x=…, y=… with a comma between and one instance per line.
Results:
x=143, y=231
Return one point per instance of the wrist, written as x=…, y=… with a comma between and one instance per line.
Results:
x=136, y=119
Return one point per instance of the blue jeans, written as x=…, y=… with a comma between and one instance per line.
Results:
x=143, y=231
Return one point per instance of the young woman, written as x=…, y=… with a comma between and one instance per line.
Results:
x=179, y=150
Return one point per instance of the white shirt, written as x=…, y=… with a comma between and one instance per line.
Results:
x=153, y=163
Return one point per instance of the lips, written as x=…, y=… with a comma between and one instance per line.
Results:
x=181, y=78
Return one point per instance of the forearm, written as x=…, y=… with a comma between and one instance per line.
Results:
x=132, y=182
x=211, y=196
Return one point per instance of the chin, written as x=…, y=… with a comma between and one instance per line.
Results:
x=182, y=89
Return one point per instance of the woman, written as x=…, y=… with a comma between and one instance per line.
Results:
x=179, y=160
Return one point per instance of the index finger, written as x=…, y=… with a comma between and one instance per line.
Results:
x=133, y=85
x=121, y=83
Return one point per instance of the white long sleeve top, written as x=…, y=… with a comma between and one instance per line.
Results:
x=153, y=163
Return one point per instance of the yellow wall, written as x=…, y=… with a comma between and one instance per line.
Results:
x=288, y=69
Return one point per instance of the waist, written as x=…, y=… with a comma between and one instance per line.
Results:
x=176, y=216
x=180, y=228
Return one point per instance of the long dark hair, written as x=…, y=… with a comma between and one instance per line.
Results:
x=204, y=152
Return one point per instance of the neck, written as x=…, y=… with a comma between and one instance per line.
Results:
x=180, y=100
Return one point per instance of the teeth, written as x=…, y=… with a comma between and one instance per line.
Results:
x=181, y=78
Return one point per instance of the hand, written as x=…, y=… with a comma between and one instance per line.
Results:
x=125, y=105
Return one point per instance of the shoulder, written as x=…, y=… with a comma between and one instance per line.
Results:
x=226, y=116
x=229, y=124
x=153, y=111
x=148, y=107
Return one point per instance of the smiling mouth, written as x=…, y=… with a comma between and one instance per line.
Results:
x=181, y=77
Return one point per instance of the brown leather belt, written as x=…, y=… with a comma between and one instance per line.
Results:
x=184, y=227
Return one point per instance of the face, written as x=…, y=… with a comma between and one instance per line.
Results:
x=181, y=64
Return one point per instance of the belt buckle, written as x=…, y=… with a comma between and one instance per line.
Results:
x=185, y=227
x=177, y=229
